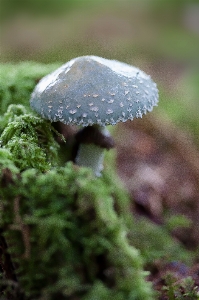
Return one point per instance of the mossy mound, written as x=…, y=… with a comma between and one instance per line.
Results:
x=63, y=232
x=65, y=238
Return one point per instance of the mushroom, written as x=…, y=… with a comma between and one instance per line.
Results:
x=94, y=92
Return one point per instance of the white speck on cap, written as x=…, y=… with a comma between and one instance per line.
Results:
x=94, y=108
x=72, y=112
x=109, y=111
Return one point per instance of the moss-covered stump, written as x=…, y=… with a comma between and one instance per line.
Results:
x=63, y=238
x=62, y=230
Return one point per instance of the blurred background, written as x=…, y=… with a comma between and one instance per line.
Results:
x=157, y=156
x=159, y=36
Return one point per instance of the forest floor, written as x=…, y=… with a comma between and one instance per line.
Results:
x=159, y=166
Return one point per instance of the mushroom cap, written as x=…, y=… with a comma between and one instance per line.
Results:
x=91, y=90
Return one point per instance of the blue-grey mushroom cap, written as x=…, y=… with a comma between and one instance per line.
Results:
x=91, y=90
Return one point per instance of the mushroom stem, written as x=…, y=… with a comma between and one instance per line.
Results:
x=91, y=156
x=92, y=141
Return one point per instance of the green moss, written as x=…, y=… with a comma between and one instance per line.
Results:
x=155, y=242
x=183, y=289
x=28, y=138
x=64, y=228
x=6, y=161
x=17, y=82
x=67, y=239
